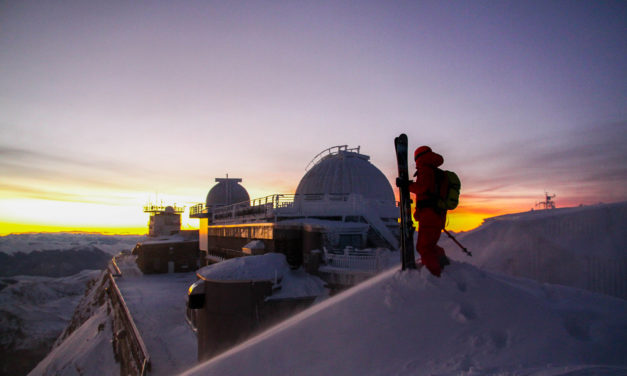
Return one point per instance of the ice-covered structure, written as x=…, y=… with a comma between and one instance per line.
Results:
x=342, y=205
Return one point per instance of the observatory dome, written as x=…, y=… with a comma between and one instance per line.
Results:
x=345, y=171
x=227, y=192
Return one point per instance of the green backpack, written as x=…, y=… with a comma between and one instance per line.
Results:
x=449, y=186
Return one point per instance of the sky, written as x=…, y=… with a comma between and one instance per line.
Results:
x=107, y=106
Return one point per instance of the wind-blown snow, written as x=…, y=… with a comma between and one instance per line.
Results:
x=584, y=247
x=467, y=322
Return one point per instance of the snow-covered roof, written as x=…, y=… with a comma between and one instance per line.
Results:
x=268, y=267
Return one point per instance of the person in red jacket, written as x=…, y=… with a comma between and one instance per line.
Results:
x=431, y=219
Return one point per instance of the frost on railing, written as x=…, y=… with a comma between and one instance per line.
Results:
x=292, y=205
x=367, y=261
x=113, y=268
x=138, y=350
x=258, y=208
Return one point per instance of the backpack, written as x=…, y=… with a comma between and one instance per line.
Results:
x=448, y=186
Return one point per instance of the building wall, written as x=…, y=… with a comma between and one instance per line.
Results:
x=164, y=224
x=236, y=310
x=156, y=258
x=227, y=241
x=229, y=314
x=203, y=234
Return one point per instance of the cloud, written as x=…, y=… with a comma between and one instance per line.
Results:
x=25, y=191
x=588, y=164
x=35, y=174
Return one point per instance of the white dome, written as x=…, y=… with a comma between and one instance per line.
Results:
x=346, y=172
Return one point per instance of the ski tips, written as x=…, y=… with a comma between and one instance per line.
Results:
x=401, y=137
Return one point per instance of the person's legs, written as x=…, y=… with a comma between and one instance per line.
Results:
x=427, y=247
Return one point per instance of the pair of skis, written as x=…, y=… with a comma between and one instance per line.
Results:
x=408, y=261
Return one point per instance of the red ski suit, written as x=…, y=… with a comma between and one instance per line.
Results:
x=431, y=220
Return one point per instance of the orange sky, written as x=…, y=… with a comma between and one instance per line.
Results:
x=58, y=216
x=104, y=109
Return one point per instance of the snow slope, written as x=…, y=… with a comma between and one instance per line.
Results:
x=468, y=322
x=33, y=312
x=87, y=351
x=584, y=247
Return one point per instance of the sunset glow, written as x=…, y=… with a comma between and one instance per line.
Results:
x=106, y=107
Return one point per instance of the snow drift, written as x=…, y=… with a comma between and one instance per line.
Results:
x=582, y=247
x=271, y=266
x=467, y=322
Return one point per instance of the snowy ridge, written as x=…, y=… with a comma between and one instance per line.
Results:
x=33, y=312
x=85, y=344
x=582, y=247
x=86, y=351
x=467, y=322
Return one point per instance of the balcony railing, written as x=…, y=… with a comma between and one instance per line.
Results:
x=196, y=210
x=161, y=208
x=271, y=207
x=139, y=351
x=373, y=262
x=331, y=151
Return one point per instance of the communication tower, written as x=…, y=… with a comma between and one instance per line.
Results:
x=164, y=220
x=548, y=202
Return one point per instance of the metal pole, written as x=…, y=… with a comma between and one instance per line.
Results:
x=456, y=242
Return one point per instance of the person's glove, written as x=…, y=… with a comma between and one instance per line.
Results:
x=401, y=183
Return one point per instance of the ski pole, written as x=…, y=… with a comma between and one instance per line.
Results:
x=456, y=242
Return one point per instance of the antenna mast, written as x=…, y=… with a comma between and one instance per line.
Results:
x=548, y=202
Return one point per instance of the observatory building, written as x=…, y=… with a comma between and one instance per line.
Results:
x=164, y=220
x=226, y=192
x=342, y=212
x=168, y=249
x=339, y=224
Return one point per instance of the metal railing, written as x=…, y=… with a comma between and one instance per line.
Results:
x=330, y=151
x=196, y=209
x=374, y=262
x=150, y=208
x=269, y=208
x=113, y=268
x=140, y=352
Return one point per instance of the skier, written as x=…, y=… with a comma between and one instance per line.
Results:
x=431, y=219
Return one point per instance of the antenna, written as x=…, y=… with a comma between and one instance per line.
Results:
x=548, y=202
